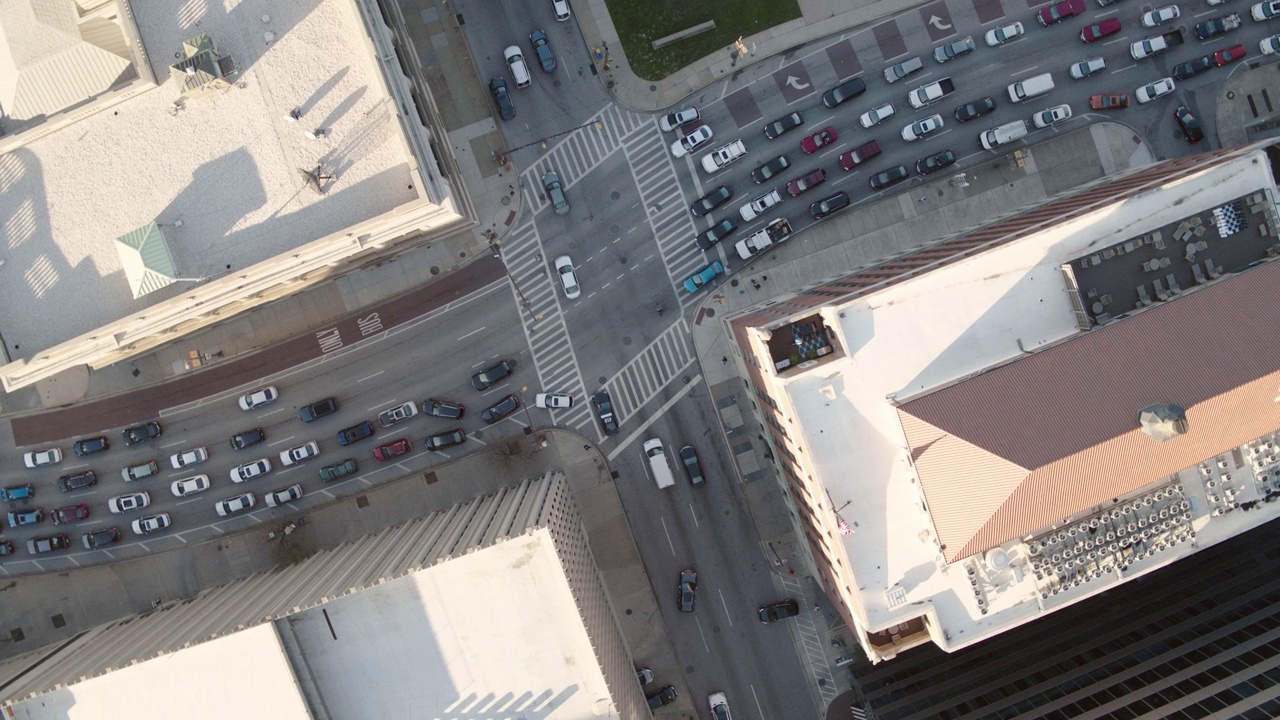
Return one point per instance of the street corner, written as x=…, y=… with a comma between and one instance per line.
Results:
x=793, y=81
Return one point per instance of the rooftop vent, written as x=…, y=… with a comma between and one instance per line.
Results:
x=828, y=392
x=1163, y=422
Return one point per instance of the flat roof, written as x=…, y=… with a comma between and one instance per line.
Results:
x=942, y=326
x=222, y=175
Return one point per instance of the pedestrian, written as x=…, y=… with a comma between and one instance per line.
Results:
x=755, y=284
x=923, y=198
x=763, y=278
x=724, y=360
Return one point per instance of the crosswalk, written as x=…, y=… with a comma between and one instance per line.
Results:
x=651, y=370
x=582, y=151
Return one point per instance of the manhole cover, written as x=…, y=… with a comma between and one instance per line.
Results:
x=615, y=194
x=685, y=379
x=734, y=282
x=506, y=200
x=622, y=260
x=435, y=269
x=626, y=341
x=709, y=312
x=613, y=228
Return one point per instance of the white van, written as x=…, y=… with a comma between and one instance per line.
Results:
x=1033, y=86
x=658, y=463
x=519, y=70
x=1003, y=134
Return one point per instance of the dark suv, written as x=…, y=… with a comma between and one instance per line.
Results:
x=502, y=98
x=240, y=441
x=665, y=696
x=100, y=538
x=78, y=481
x=139, y=433
x=355, y=432
x=500, y=409
x=443, y=408
x=317, y=410
x=490, y=375
x=89, y=446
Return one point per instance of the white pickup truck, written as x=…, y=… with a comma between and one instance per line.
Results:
x=931, y=93
x=776, y=231
x=717, y=159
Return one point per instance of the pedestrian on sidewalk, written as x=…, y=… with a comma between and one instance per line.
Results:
x=764, y=278
x=724, y=360
x=755, y=284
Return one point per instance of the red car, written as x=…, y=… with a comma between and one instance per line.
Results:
x=859, y=155
x=817, y=177
x=1109, y=101
x=1058, y=12
x=1226, y=56
x=825, y=136
x=1110, y=26
x=70, y=513
x=382, y=453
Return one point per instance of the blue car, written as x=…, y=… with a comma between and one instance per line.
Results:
x=17, y=492
x=542, y=49
x=694, y=282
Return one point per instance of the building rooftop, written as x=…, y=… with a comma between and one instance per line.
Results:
x=222, y=173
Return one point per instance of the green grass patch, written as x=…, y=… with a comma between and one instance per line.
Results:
x=640, y=22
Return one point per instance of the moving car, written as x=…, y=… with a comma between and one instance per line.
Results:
x=317, y=410
x=783, y=124
x=859, y=155
x=687, y=590
x=141, y=433
x=542, y=51
x=40, y=458
x=975, y=109
x=711, y=201
x=189, y=486
x=250, y=470
x=769, y=169
x=383, y=453
x=555, y=192
x=1160, y=16
x=240, y=441
x=561, y=9
x=89, y=446
x=25, y=517
x=137, y=472
x=440, y=441
x=1191, y=68
x=1099, y=30
x=502, y=98
x=1189, y=125
x=719, y=706
x=679, y=118
x=664, y=696
x=884, y=179
x=500, y=409
x=553, y=401
x=234, y=504
x=692, y=467
x=128, y=503
x=1109, y=101
x=698, y=280
x=151, y=524
x=515, y=63
x=829, y=205
x=346, y=436
x=77, y=481
x=308, y=450
x=1060, y=11
x=1226, y=56
x=1002, y=35
x=568, y=279
x=443, y=408
x=1085, y=68
x=287, y=495
x=812, y=180
x=329, y=473
x=825, y=136
x=921, y=128
x=1157, y=89
x=70, y=513
x=691, y=142
x=936, y=162
x=603, y=408
x=779, y=611
x=1052, y=116
x=194, y=456
x=847, y=90
x=876, y=115
x=391, y=416
x=258, y=398
x=486, y=378
x=39, y=545
x=100, y=538
x=714, y=234
x=756, y=207
x=953, y=49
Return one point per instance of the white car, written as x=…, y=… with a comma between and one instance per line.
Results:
x=1160, y=16
x=568, y=278
x=190, y=486
x=876, y=115
x=679, y=118
x=1052, y=116
x=40, y=458
x=280, y=497
x=258, y=398
x=126, y=503
x=719, y=706
x=1002, y=35
x=553, y=400
x=1085, y=68
x=691, y=142
x=391, y=416
x=194, y=456
x=151, y=523
x=561, y=9
x=233, y=505
x=302, y=452
x=754, y=208
x=1270, y=46
x=1159, y=88
x=250, y=470
x=1265, y=10
x=920, y=128
x=516, y=64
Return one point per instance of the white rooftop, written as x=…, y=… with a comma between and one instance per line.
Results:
x=226, y=166
x=935, y=328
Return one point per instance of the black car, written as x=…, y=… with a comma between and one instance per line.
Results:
x=487, y=377
x=443, y=440
x=779, y=611
x=882, y=180
x=783, y=124
x=828, y=205
x=317, y=410
x=665, y=696
x=847, y=90
x=346, y=436
x=714, y=234
x=934, y=163
x=1190, y=125
x=691, y=466
x=500, y=409
x=89, y=446
x=140, y=433
x=977, y=108
x=443, y=408
x=78, y=481
x=688, y=588
x=604, y=410
x=771, y=168
x=711, y=201
x=240, y=441
x=99, y=538
x=1192, y=68
x=502, y=98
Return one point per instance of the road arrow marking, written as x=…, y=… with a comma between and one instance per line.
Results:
x=936, y=21
x=794, y=82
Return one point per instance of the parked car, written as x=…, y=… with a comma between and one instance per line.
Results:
x=542, y=51
x=954, y=49
x=779, y=611
x=812, y=143
x=21, y=518
x=250, y=470
x=391, y=416
x=687, y=590
x=758, y=206
x=443, y=408
x=568, y=278
x=383, y=453
x=769, y=169
x=698, y=280
x=329, y=473
x=440, y=441
x=40, y=458
x=1087, y=67
x=1160, y=16
x=1157, y=89
x=194, y=456
x=39, y=545
x=287, y=495
x=555, y=401
x=936, y=162
x=975, y=109
x=1058, y=12
x=6, y=548
x=921, y=128
x=603, y=407
x=70, y=513
x=258, y=398
x=14, y=493
x=845, y=91
x=141, y=433
x=1189, y=125
x=1226, y=56
x=691, y=465
x=190, y=485
x=306, y=450
x=89, y=446
x=783, y=124
x=318, y=409
x=140, y=471
x=486, y=378
x=234, y=504
x=1109, y=101
x=1265, y=10
x=711, y=201
x=516, y=65
x=240, y=441
x=1003, y=34
x=884, y=179
x=714, y=234
x=151, y=524
x=859, y=155
x=894, y=73
x=500, y=409
x=502, y=98
x=665, y=696
x=1052, y=116
x=1100, y=29
x=561, y=9
x=1191, y=68
x=99, y=538
x=876, y=115
x=77, y=481
x=555, y=192
x=346, y=436
x=812, y=180
x=829, y=205
x=679, y=118
x=696, y=139
x=129, y=502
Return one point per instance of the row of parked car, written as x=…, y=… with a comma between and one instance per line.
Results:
x=519, y=69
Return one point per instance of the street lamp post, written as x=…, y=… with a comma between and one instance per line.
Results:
x=525, y=402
